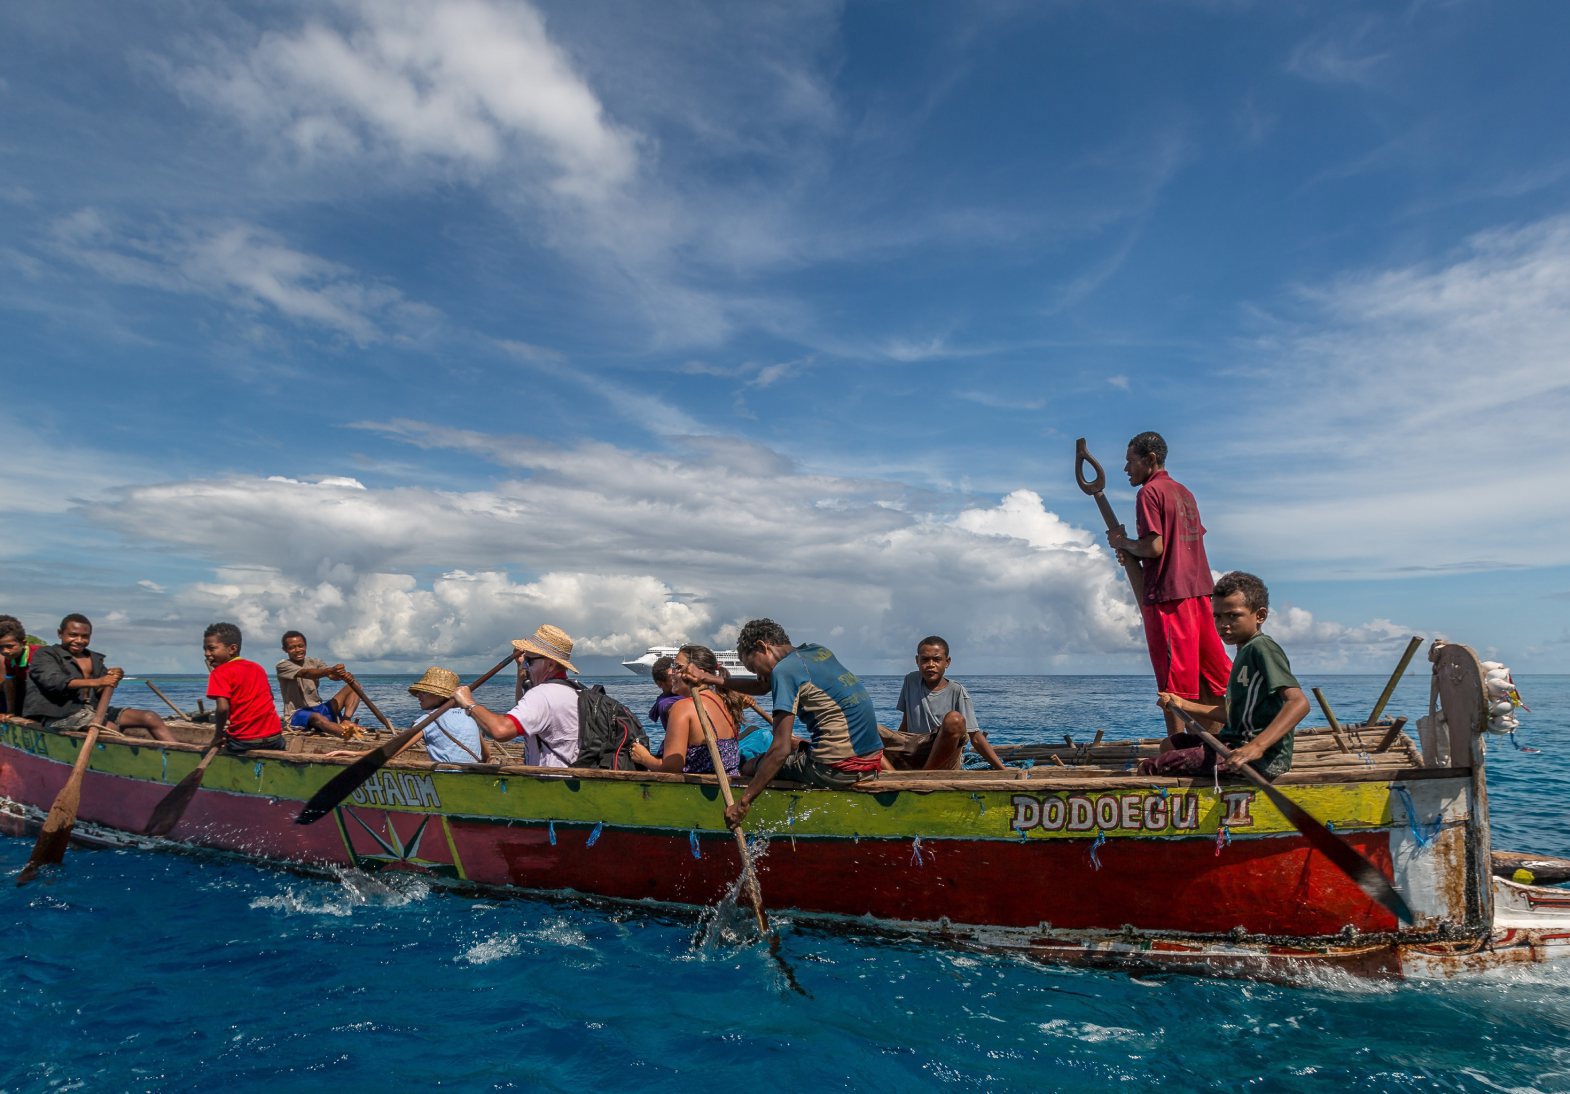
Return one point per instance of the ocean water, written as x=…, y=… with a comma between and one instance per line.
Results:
x=140, y=971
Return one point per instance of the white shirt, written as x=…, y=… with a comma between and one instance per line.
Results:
x=547, y=717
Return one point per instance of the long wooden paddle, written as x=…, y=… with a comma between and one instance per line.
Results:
x=354, y=685
x=1366, y=875
x=167, y=813
x=749, y=875
x=347, y=781
x=55, y=835
x=1094, y=487
x=168, y=701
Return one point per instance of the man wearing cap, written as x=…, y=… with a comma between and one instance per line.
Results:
x=546, y=717
x=453, y=738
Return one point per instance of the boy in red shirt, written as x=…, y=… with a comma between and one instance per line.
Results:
x=240, y=692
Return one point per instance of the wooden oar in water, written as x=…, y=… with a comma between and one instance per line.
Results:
x=351, y=778
x=748, y=873
x=168, y=701
x=1094, y=487
x=55, y=835
x=748, y=865
x=1365, y=874
x=354, y=685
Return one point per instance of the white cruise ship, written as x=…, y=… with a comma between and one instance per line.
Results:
x=644, y=665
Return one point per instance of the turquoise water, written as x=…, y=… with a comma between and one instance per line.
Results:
x=130, y=970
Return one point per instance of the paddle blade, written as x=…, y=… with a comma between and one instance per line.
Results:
x=1364, y=873
x=167, y=813
x=55, y=835
x=347, y=781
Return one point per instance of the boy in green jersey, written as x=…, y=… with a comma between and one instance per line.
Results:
x=1264, y=702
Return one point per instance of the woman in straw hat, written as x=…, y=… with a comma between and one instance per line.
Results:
x=546, y=717
x=686, y=748
x=453, y=738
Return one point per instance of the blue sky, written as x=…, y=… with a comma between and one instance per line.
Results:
x=416, y=325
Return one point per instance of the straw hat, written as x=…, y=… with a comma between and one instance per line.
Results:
x=437, y=682
x=548, y=641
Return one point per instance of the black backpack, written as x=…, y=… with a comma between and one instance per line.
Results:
x=606, y=729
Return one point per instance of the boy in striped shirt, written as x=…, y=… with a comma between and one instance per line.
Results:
x=1264, y=702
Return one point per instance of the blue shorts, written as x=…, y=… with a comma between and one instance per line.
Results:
x=302, y=717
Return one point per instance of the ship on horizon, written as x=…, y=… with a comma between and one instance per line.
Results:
x=644, y=665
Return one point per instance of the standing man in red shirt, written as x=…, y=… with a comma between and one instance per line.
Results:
x=1185, y=649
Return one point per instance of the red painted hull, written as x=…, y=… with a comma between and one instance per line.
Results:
x=1272, y=886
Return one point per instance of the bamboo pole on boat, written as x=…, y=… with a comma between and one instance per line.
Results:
x=1330, y=718
x=354, y=686
x=56, y=831
x=1094, y=487
x=1363, y=873
x=748, y=872
x=1395, y=678
x=169, y=702
x=1392, y=736
x=351, y=778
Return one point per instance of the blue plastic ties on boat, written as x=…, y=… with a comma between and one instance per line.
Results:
x=1161, y=790
x=1330, y=826
x=1095, y=858
x=1026, y=765
x=692, y=840
x=1422, y=833
x=594, y=836
x=257, y=770
x=1519, y=747
x=981, y=804
x=165, y=756
x=915, y=853
x=1223, y=837
x=550, y=830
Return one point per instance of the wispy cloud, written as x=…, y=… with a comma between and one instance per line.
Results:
x=240, y=264
x=1443, y=384
x=1345, y=54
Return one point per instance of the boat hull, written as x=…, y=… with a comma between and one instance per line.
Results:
x=1173, y=875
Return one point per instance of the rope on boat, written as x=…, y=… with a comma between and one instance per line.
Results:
x=1519, y=747
x=692, y=841
x=551, y=832
x=1422, y=833
x=594, y=836
x=1095, y=857
x=916, y=858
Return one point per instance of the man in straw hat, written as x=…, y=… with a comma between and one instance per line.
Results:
x=546, y=717
x=453, y=738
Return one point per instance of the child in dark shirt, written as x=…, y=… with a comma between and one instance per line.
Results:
x=1264, y=702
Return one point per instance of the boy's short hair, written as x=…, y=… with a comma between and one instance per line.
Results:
x=227, y=633
x=11, y=627
x=757, y=633
x=661, y=669
x=284, y=641
x=1150, y=445
x=75, y=617
x=933, y=640
x=1255, y=595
